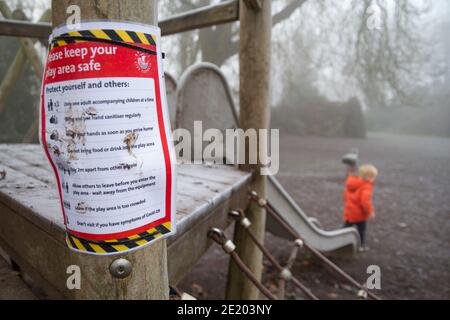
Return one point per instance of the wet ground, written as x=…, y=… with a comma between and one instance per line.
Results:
x=409, y=239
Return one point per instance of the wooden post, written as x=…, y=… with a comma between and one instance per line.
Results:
x=149, y=279
x=254, y=71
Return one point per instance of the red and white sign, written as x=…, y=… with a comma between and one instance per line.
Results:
x=106, y=131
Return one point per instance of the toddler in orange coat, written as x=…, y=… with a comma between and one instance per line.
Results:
x=358, y=207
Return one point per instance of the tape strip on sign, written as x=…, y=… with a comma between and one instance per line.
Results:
x=116, y=246
x=105, y=129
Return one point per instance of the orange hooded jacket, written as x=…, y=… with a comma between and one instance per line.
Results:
x=357, y=200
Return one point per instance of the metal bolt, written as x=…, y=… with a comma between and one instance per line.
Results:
x=286, y=274
x=246, y=223
x=234, y=213
x=262, y=202
x=120, y=268
x=229, y=246
x=299, y=243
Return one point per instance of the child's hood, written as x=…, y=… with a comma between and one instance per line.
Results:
x=354, y=183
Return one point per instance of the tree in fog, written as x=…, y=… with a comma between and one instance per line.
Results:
x=379, y=47
x=218, y=43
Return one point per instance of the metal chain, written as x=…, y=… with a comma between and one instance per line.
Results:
x=273, y=212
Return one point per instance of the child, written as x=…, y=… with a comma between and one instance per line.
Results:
x=358, y=206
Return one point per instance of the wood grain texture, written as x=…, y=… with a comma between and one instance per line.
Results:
x=225, y=12
x=26, y=44
x=201, y=18
x=32, y=230
x=142, y=11
x=149, y=279
x=15, y=28
x=254, y=93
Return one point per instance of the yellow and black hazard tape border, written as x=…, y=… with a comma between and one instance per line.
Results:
x=117, y=245
x=118, y=37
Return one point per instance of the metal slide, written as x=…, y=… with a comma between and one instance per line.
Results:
x=308, y=228
x=203, y=95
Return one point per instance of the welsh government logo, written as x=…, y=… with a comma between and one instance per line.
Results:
x=142, y=62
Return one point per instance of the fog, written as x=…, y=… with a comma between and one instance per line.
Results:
x=382, y=64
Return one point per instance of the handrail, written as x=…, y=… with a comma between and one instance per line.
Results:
x=203, y=17
x=17, y=28
x=221, y=13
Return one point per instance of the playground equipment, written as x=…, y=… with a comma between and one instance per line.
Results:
x=32, y=231
x=204, y=95
x=171, y=91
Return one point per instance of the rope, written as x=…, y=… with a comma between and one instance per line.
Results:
x=245, y=222
x=228, y=246
x=272, y=211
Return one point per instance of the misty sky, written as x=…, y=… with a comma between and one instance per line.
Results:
x=320, y=38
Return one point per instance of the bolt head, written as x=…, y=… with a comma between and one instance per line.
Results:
x=253, y=193
x=120, y=268
x=299, y=243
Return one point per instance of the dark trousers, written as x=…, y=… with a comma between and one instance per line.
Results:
x=361, y=226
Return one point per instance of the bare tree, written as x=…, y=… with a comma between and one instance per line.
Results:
x=217, y=44
x=383, y=50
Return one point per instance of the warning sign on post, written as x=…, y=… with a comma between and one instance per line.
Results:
x=106, y=131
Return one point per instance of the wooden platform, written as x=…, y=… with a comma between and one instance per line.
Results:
x=32, y=230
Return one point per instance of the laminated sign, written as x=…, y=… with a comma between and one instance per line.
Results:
x=106, y=132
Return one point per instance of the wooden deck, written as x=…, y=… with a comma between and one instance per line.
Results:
x=32, y=231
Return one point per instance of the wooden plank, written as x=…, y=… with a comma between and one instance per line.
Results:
x=203, y=17
x=36, y=201
x=200, y=18
x=35, y=171
x=253, y=4
x=17, y=28
x=15, y=69
x=48, y=270
x=26, y=163
x=188, y=247
x=12, y=285
x=29, y=153
x=32, y=223
x=27, y=44
x=45, y=259
x=211, y=195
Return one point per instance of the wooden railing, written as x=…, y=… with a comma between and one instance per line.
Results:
x=224, y=12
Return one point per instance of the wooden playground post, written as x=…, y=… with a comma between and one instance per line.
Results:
x=254, y=93
x=149, y=278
